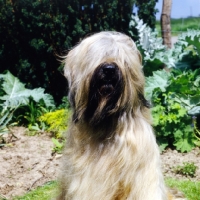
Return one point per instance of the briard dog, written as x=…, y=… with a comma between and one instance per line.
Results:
x=111, y=151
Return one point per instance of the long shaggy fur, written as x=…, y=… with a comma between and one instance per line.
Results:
x=111, y=151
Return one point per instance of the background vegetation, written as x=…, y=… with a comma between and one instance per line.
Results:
x=147, y=11
x=174, y=92
x=39, y=29
x=181, y=25
x=34, y=33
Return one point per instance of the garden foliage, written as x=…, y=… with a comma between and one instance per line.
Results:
x=41, y=29
x=56, y=121
x=187, y=169
x=171, y=119
x=147, y=11
x=172, y=85
x=184, y=55
x=33, y=34
x=14, y=97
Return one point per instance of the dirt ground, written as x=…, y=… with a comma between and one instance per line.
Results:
x=27, y=162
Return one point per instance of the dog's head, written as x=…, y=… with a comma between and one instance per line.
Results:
x=105, y=78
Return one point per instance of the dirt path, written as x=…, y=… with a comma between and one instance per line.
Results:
x=27, y=163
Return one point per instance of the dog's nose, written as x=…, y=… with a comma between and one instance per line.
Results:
x=109, y=70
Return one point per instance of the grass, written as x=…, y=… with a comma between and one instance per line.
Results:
x=181, y=25
x=45, y=192
x=189, y=188
x=48, y=191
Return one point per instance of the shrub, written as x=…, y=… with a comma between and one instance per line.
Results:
x=15, y=100
x=172, y=124
x=187, y=169
x=147, y=11
x=174, y=95
x=56, y=121
x=174, y=92
x=184, y=55
x=58, y=145
x=43, y=29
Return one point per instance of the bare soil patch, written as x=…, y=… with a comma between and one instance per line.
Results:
x=27, y=162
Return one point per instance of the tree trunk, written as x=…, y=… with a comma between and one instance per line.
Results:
x=165, y=23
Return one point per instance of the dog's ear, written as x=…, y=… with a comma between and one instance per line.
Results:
x=145, y=102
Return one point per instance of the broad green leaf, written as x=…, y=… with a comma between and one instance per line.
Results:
x=158, y=80
x=14, y=91
x=197, y=81
x=189, y=102
x=163, y=146
x=184, y=140
x=16, y=94
x=11, y=85
x=195, y=100
x=152, y=65
x=194, y=111
x=191, y=37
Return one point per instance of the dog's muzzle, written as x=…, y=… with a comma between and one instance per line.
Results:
x=106, y=87
x=108, y=77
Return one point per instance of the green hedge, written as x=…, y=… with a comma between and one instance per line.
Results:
x=34, y=32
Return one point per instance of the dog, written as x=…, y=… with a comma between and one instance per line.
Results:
x=111, y=151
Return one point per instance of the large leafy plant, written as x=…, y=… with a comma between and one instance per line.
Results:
x=188, y=50
x=169, y=92
x=174, y=93
x=14, y=96
x=186, y=88
x=185, y=54
x=155, y=55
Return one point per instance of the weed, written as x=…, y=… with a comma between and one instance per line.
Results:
x=187, y=169
x=58, y=146
x=56, y=121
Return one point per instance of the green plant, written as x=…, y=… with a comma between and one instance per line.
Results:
x=155, y=55
x=28, y=115
x=5, y=118
x=187, y=169
x=58, y=146
x=174, y=93
x=184, y=55
x=56, y=121
x=189, y=50
x=167, y=92
x=172, y=124
x=48, y=28
x=65, y=104
x=45, y=192
x=196, y=129
x=38, y=127
x=190, y=189
x=185, y=86
x=15, y=97
x=147, y=11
